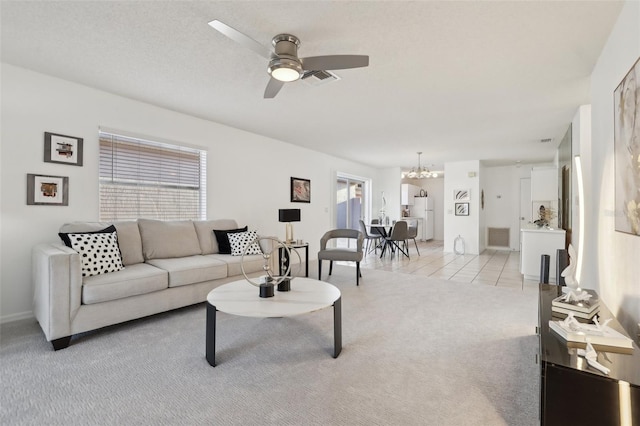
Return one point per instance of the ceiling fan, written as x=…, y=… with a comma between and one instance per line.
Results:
x=284, y=64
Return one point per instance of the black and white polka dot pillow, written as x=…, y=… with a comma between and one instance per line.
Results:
x=99, y=252
x=239, y=242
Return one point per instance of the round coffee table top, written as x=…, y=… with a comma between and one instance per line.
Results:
x=243, y=299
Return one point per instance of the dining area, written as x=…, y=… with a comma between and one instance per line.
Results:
x=390, y=237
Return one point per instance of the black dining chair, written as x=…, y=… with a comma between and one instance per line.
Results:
x=412, y=233
x=398, y=238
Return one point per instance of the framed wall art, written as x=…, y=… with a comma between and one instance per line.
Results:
x=462, y=195
x=462, y=209
x=626, y=136
x=62, y=149
x=47, y=190
x=300, y=190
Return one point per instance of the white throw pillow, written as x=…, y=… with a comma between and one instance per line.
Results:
x=99, y=252
x=239, y=242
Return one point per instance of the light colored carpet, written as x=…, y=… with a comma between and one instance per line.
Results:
x=416, y=351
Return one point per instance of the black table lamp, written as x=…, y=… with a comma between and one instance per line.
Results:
x=288, y=216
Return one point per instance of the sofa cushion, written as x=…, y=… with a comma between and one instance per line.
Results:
x=128, y=237
x=130, y=242
x=242, y=242
x=191, y=269
x=98, y=250
x=207, y=239
x=253, y=263
x=168, y=239
x=222, y=237
x=131, y=281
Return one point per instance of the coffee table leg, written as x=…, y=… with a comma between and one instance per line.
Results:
x=337, y=327
x=211, y=335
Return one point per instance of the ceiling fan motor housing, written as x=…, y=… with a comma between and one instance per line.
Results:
x=286, y=49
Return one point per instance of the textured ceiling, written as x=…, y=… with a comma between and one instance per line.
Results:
x=456, y=80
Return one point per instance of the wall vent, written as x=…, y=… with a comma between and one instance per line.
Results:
x=317, y=78
x=498, y=237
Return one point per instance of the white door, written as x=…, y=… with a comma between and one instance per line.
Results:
x=525, y=204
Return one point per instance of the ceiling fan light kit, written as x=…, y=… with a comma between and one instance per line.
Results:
x=284, y=64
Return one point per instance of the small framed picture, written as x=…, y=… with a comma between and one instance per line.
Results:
x=300, y=190
x=462, y=209
x=47, y=190
x=62, y=149
x=462, y=195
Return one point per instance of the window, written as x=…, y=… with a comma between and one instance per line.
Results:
x=154, y=180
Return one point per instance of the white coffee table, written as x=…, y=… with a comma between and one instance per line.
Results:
x=241, y=298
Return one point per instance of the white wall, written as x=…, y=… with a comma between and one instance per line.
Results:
x=468, y=227
x=502, y=200
x=611, y=258
x=389, y=183
x=33, y=103
x=482, y=221
x=580, y=137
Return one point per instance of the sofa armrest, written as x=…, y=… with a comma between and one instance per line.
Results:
x=57, y=283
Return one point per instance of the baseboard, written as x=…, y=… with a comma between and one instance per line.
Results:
x=16, y=317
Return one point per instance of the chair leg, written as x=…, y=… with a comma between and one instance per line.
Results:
x=319, y=269
x=416, y=243
x=400, y=249
x=357, y=273
x=330, y=267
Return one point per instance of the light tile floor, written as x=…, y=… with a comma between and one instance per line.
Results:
x=491, y=267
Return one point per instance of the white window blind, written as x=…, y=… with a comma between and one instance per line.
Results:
x=154, y=180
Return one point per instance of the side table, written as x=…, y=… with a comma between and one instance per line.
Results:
x=566, y=380
x=283, y=258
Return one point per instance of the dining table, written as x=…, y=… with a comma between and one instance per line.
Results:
x=383, y=229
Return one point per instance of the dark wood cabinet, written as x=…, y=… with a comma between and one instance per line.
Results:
x=571, y=392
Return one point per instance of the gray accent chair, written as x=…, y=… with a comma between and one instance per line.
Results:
x=341, y=254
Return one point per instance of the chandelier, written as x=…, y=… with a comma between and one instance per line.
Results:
x=420, y=172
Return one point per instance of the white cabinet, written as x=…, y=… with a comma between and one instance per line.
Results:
x=536, y=242
x=407, y=193
x=544, y=184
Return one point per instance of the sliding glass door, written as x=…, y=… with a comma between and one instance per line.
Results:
x=350, y=205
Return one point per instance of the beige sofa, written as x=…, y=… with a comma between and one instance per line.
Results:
x=167, y=265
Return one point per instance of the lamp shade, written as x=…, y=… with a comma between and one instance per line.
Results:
x=289, y=215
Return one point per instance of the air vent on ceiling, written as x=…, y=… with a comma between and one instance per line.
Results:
x=316, y=78
x=545, y=140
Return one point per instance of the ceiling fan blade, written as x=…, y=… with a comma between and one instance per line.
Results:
x=241, y=38
x=273, y=87
x=334, y=62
